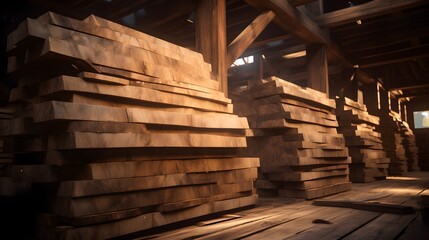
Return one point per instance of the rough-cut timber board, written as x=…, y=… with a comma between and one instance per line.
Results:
x=95, y=187
x=258, y=226
x=74, y=84
x=386, y=226
x=316, y=192
x=276, y=88
x=147, y=79
x=86, y=140
x=294, y=227
x=150, y=220
x=82, y=156
x=140, y=40
x=272, y=108
x=305, y=176
x=54, y=110
x=316, y=183
x=75, y=207
x=44, y=31
x=101, y=78
x=128, y=169
x=339, y=227
x=73, y=52
x=100, y=100
x=296, y=117
x=145, y=39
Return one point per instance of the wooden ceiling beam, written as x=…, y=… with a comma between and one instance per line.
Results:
x=367, y=10
x=300, y=2
x=297, y=23
x=395, y=57
x=248, y=35
x=416, y=85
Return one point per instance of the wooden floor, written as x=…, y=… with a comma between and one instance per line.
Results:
x=276, y=218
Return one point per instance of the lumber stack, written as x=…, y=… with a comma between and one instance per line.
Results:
x=124, y=131
x=411, y=150
x=369, y=161
x=7, y=188
x=294, y=134
x=392, y=142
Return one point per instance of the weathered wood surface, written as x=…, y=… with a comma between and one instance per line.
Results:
x=122, y=131
x=303, y=155
x=276, y=218
x=54, y=110
x=369, y=159
x=147, y=221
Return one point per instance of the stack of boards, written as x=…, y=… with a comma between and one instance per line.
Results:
x=369, y=161
x=294, y=132
x=411, y=150
x=392, y=142
x=6, y=156
x=126, y=131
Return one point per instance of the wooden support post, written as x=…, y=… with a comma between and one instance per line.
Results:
x=259, y=67
x=211, y=38
x=317, y=68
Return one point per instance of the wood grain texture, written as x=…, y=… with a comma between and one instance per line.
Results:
x=248, y=35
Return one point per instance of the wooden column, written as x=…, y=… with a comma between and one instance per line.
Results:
x=317, y=68
x=211, y=38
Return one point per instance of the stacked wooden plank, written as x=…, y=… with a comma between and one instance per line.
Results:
x=392, y=142
x=126, y=131
x=295, y=136
x=369, y=161
x=411, y=150
x=8, y=187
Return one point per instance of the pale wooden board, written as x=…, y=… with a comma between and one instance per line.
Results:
x=279, y=107
x=100, y=100
x=74, y=84
x=294, y=117
x=87, y=140
x=71, y=51
x=106, y=79
x=140, y=40
x=148, y=79
x=54, y=110
x=276, y=88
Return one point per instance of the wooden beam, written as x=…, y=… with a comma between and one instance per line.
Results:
x=248, y=35
x=211, y=38
x=292, y=20
x=395, y=57
x=415, y=85
x=270, y=40
x=299, y=2
x=367, y=10
x=317, y=68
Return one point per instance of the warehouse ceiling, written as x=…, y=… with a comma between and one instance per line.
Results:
x=381, y=40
